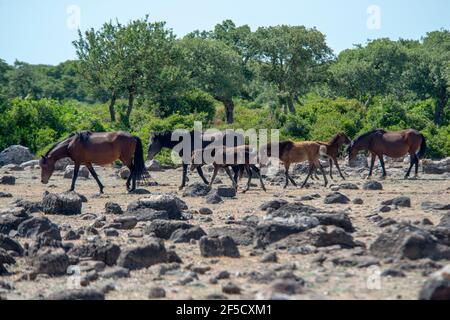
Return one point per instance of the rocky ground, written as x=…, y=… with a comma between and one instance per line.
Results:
x=341, y=242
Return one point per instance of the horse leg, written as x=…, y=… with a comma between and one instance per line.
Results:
x=331, y=169
x=417, y=166
x=286, y=169
x=372, y=164
x=258, y=172
x=311, y=168
x=412, y=160
x=339, y=169
x=200, y=173
x=75, y=176
x=94, y=174
x=249, y=173
x=323, y=173
x=227, y=170
x=216, y=170
x=382, y=166
x=183, y=179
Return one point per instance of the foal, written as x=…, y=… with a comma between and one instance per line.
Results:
x=235, y=154
x=295, y=152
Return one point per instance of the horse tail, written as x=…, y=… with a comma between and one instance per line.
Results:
x=139, y=169
x=423, y=147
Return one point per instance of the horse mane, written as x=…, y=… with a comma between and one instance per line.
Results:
x=365, y=135
x=334, y=139
x=84, y=136
x=58, y=143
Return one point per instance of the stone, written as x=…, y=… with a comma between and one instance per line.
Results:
x=157, y=293
x=9, y=244
x=205, y=211
x=97, y=250
x=282, y=290
x=110, y=232
x=434, y=206
x=39, y=226
x=231, y=288
x=51, y=262
x=155, y=206
x=393, y=273
x=83, y=172
x=436, y=167
x=196, y=189
x=67, y=204
x=336, y=198
x=185, y=236
x=62, y=164
x=29, y=206
x=330, y=236
x=143, y=256
x=29, y=164
x=242, y=236
x=126, y=223
x=124, y=173
x=87, y=294
x=404, y=202
x=218, y=247
x=113, y=208
x=15, y=155
x=5, y=258
x=372, y=185
x=71, y=235
x=270, y=257
x=213, y=198
x=226, y=192
x=359, y=162
x=348, y=186
x=271, y=232
x=405, y=241
x=115, y=273
x=437, y=287
x=163, y=228
x=5, y=195
x=8, y=180
x=358, y=201
x=273, y=204
x=9, y=222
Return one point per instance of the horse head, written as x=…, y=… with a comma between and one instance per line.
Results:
x=47, y=168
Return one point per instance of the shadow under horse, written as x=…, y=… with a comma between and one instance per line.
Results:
x=158, y=141
x=394, y=144
x=88, y=148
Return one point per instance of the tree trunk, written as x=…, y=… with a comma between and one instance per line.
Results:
x=229, y=108
x=441, y=103
x=130, y=101
x=112, y=112
x=290, y=104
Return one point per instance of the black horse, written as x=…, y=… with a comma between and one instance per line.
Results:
x=158, y=141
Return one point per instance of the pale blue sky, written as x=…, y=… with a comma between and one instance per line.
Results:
x=36, y=31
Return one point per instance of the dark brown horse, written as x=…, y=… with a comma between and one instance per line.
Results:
x=87, y=148
x=393, y=144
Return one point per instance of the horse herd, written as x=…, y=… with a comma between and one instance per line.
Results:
x=89, y=148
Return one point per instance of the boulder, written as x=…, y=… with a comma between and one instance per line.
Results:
x=126, y=223
x=404, y=202
x=226, y=192
x=213, y=198
x=15, y=155
x=437, y=287
x=67, y=204
x=62, y=164
x=10, y=244
x=113, y=208
x=163, y=229
x=372, y=185
x=39, y=226
x=436, y=167
x=97, y=250
x=165, y=206
x=5, y=258
x=9, y=222
x=359, y=162
x=196, y=189
x=51, y=262
x=218, y=247
x=186, y=235
x=77, y=294
x=153, y=165
x=330, y=236
x=336, y=198
x=143, y=256
x=273, y=205
x=82, y=173
x=242, y=236
x=8, y=180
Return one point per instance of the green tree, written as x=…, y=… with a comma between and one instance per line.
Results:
x=293, y=58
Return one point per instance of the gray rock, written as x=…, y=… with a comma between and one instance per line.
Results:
x=51, y=262
x=218, y=247
x=97, y=250
x=242, y=236
x=10, y=244
x=153, y=165
x=39, y=226
x=5, y=195
x=115, y=273
x=393, y=273
x=143, y=256
x=185, y=236
x=113, y=208
x=226, y=192
x=231, y=288
x=399, y=202
x=358, y=201
x=157, y=293
x=163, y=229
x=205, y=211
x=436, y=167
x=124, y=173
x=9, y=222
x=62, y=164
x=158, y=205
x=273, y=204
x=348, y=186
x=197, y=189
x=372, y=185
x=126, y=223
x=5, y=258
x=271, y=232
x=433, y=206
x=213, y=198
x=330, y=236
x=77, y=294
x=8, y=180
x=15, y=155
x=437, y=287
x=69, y=203
x=336, y=198
x=269, y=257
x=82, y=173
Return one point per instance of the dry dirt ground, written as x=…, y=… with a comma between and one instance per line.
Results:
x=326, y=280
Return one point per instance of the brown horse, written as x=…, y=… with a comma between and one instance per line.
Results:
x=393, y=144
x=295, y=152
x=333, y=148
x=87, y=148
